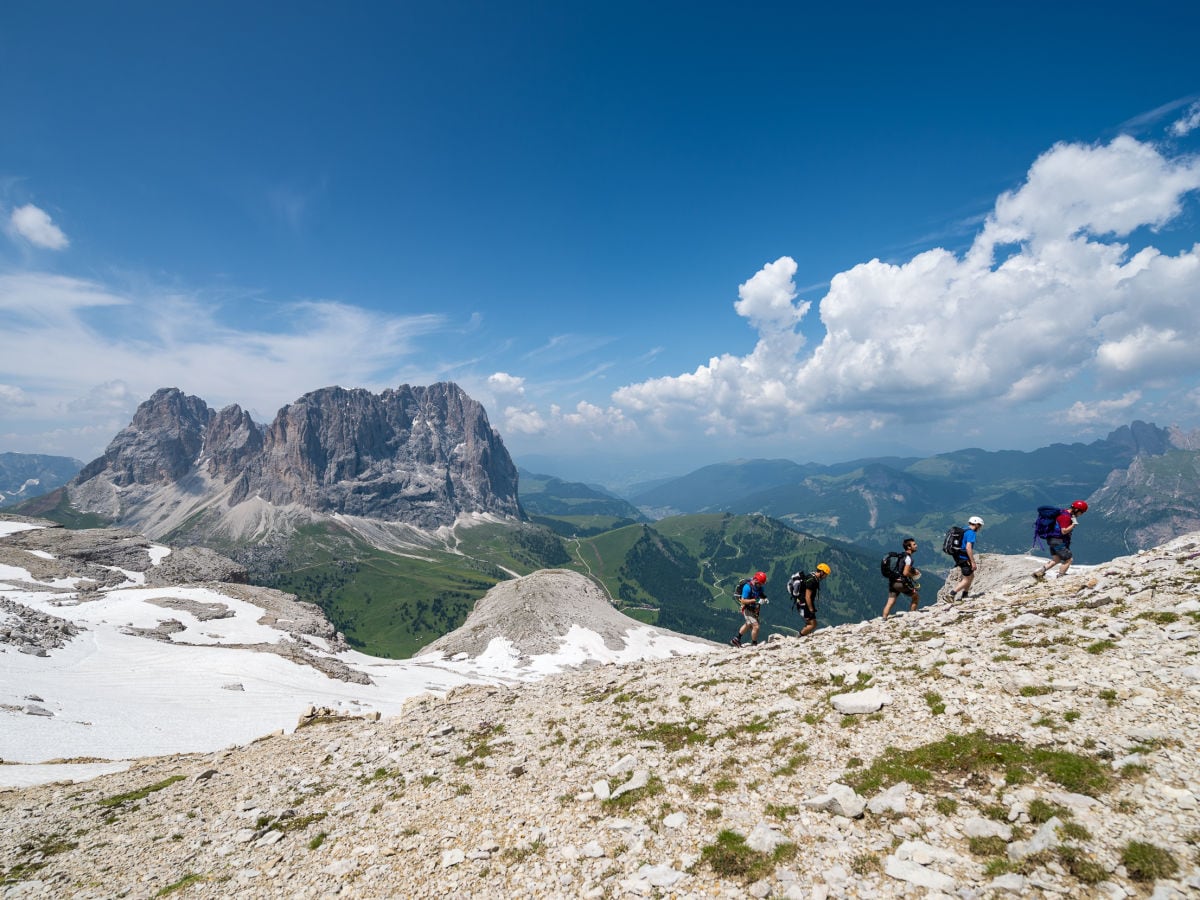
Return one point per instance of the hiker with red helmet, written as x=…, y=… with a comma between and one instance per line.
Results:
x=1059, y=540
x=751, y=596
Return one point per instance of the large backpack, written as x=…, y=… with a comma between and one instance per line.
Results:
x=737, y=588
x=796, y=585
x=1046, y=524
x=952, y=543
x=891, y=566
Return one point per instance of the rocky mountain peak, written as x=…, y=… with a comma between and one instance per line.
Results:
x=417, y=455
x=159, y=444
x=1142, y=438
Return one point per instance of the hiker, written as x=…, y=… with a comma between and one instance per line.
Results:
x=752, y=597
x=1059, y=541
x=905, y=581
x=964, y=558
x=806, y=602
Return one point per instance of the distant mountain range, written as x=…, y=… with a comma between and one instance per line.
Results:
x=1143, y=482
x=396, y=512
x=26, y=475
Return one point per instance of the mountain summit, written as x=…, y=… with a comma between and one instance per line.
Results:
x=421, y=456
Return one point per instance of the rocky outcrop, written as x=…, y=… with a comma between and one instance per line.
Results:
x=1153, y=499
x=534, y=614
x=421, y=456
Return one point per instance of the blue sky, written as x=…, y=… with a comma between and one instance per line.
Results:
x=647, y=236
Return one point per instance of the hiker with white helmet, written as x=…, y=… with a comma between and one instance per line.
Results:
x=960, y=544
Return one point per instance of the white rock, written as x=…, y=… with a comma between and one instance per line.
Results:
x=913, y=873
x=840, y=800
x=868, y=701
x=1183, y=798
x=340, y=868
x=639, y=780
x=1011, y=883
x=978, y=827
x=660, y=876
x=1046, y=837
x=923, y=853
x=894, y=799
x=1030, y=620
x=764, y=839
x=622, y=765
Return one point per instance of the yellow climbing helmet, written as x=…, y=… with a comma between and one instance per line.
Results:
x=822, y=567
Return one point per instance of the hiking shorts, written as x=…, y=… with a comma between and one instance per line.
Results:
x=901, y=587
x=750, y=615
x=810, y=615
x=964, y=565
x=1059, y=549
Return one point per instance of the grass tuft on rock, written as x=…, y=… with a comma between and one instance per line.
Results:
x=959, y=755
x=731, y=857
x=1148, y=862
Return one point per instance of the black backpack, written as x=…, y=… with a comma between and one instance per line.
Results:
x=953, y=542
x=737, y=588
x=891, y=566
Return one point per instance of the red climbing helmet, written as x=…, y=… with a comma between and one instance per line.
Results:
x=1079, y=506
x=760, y=577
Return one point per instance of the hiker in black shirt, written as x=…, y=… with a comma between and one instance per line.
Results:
x=906, y=583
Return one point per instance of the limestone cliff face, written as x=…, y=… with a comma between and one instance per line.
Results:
x=417, y=455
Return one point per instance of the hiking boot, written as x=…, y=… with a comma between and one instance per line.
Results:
x=1039, y=575
x=737, y=642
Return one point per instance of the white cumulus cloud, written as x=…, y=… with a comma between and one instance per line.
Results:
x=504, y=384
x=1105, y=411
x=35, y=226
x=1048, y=292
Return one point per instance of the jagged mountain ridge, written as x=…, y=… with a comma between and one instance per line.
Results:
x=421, y=456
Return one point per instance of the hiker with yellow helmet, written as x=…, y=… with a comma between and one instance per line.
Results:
x=804, y=589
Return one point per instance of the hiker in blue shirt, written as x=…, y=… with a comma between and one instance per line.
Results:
x=753, y=596
x=965, y=559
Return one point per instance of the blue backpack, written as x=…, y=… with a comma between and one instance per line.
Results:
x=1045, y=526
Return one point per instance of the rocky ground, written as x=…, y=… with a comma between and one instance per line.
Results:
x=1037, y=740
